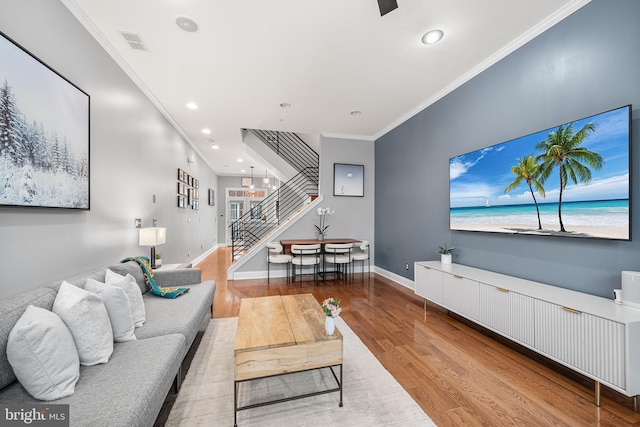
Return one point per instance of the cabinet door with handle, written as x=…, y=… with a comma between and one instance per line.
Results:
x=559, y=332
x=428, y=283
x=507, y=312
x=460, y=295
x=589, y=343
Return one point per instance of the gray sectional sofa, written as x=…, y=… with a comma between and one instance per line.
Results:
x=130, y=389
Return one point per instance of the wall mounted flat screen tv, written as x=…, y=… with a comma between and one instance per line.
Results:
x=570, y=180
x=44, y=134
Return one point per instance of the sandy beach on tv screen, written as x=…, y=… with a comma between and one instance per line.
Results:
x=549, y=230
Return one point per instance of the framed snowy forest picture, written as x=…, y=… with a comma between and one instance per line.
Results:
x=44, y=134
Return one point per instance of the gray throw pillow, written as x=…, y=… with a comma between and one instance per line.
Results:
x=88, y=321
x=43, y=355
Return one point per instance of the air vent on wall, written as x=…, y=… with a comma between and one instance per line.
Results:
x=134, y=40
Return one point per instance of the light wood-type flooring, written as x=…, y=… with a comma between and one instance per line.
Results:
x=459, y=375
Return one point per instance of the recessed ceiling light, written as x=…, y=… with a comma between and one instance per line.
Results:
x=355, y=113
x=215, y=146
x=432, y=36
x=187, y=24
x=285, y=105
x=206, y=131
x=192, y=105
x=240, y=160
x=243, y=170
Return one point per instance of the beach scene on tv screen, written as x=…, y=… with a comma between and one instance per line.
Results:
x=570, y=180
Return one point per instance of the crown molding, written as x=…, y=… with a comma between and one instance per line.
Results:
x=526, y=37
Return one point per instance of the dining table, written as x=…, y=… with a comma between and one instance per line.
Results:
x=286, y=249
x=286, y=243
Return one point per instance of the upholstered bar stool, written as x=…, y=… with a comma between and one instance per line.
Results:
x=275, y=256
x=338, y=254
x=306, y=255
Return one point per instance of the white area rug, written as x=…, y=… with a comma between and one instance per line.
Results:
x=371, y=396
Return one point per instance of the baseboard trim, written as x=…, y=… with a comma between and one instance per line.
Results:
x=204, y=255
x=407, y=283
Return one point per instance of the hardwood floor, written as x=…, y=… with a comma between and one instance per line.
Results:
x=457, y=373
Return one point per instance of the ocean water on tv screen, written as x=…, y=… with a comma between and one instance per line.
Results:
x=598, y=213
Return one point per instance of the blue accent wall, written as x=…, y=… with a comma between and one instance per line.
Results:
x=585, y=64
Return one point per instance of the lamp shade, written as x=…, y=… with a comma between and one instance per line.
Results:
x=152, y=236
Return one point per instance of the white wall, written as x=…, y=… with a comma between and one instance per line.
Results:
x=135, y=154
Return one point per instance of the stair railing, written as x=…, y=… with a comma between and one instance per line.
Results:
x=289, y=147
x=266, y=216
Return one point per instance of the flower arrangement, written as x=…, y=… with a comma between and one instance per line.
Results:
x=323, y=212
x=331, y=307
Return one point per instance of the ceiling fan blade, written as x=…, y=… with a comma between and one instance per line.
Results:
x=387, y=6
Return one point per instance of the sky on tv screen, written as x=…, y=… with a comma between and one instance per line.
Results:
x=480, y=178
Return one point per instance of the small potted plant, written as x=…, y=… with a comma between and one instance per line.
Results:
x=445, y=253
x=331, y=307
x=158, y=259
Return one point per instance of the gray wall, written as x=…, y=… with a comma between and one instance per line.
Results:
x=224, y=182
x=586, y=64
x=135, y=154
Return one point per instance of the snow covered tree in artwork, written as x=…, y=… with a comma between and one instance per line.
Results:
x=10, y=125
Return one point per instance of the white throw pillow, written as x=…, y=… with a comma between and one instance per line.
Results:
x=118, y=307
x=43, y=355
x=132, y=289
x=88, y=321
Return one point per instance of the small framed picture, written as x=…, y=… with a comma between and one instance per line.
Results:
x=348, y=180
x=246, y=181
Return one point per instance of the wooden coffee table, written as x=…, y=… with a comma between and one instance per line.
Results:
x=280, y=335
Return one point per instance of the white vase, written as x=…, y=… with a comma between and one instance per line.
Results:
x=330, y=325
x=445, y=258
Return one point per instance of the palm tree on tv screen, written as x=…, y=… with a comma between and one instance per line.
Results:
x=562, y=149
x=527, y=170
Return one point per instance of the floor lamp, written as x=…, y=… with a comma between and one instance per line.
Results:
x=153, y=236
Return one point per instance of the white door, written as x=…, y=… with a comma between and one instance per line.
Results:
x=236, y=210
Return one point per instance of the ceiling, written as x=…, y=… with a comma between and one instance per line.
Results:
x=324, y=58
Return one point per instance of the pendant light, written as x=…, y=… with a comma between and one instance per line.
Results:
x=252, y=186
x=265, y=182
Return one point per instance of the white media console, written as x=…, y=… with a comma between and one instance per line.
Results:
x=589, y=334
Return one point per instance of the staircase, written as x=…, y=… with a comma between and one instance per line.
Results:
x=287, y=200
